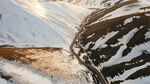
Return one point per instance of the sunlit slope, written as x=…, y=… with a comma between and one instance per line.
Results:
x=31, y=23
x=93, y=3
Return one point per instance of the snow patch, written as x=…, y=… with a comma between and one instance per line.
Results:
x=143, y=80
x=3, y=81
x=91, y=35
x=129, y=20
x=127, y=73
x=147, y=35
x=126, y=38
x=101, y=41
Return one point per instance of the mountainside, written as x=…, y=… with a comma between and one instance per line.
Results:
x=111, y=38
x=116, y=41
x=93, y=3
x=33, y=23
x=41, y=66
x=28, y=23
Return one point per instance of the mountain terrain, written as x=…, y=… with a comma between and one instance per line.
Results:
x=109, y=41
x=115, y=41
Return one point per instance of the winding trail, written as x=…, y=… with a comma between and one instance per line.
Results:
x=88, y=20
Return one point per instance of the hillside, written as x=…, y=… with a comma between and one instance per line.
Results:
x=116, y=41
x=98, y=4
x=29, y=23
x=38, y=33
x=109, y=41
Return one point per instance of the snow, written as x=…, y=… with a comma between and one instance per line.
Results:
x=56, y=64
x=125, y=39
x=62, y=64
x=91, y=35
x=130, y=19
x=87, y=45
x=101, y=41
x=22, y=74
x=147, y=35
x=129, y=72
x=143, y=80
x=147, y=14
x=3, y=81
x=76, y=50
x=125, y=10
x=40, y=24
x=93, y=3
x=135, y=52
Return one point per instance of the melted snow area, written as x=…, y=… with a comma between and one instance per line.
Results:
x=31, y=23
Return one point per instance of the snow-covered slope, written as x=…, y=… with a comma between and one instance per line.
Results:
x=41, y=66
x=93, y=3
x=20, y=74
x=42, y=24
x=116, y=40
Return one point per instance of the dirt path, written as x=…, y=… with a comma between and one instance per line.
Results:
x=88, y=20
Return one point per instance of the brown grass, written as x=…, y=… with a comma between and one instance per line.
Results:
x=48, y=60
x=20, y=53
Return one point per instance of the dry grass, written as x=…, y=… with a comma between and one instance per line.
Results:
x=54, y=62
